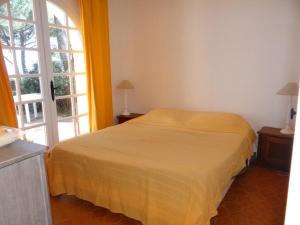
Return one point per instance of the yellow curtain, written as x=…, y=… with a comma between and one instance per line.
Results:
x=7, y=106
x=94, y=16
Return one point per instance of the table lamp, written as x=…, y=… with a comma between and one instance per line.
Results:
x=290, y=89
x=125, y=85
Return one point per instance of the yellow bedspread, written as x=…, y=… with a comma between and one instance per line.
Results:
x=168, y=167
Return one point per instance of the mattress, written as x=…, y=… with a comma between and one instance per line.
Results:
x=169, y=167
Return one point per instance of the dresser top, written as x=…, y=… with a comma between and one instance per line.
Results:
x=19, y=151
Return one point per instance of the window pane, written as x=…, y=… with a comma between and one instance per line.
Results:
x=13, y=86
x=71, y=23
x=82, y=105
x=58, y=38
x=60, y=62
x=55, y=14
x=80, y=84
x=64, y=107
x=3, y=9
x=75, y=40
x=66, y=129
x=24, y=35
x=18, y=116
x=77, y=62
x=22, y=9
x=33, y=113
x=62, y=85
x=84, y=126
x=9, y=61
x=4, y=32
x=27, y=61
x=30, y=88
x=36, y=135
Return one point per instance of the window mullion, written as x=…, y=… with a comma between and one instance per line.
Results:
x=17, y=78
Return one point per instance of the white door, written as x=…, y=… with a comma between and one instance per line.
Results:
x=44, y=58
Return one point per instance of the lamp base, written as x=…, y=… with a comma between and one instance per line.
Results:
x=287, y=131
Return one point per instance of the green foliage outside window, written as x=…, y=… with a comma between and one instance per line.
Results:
x=24, y=36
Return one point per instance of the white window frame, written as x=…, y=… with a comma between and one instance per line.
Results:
x=45, y=72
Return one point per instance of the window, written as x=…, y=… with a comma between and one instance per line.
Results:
x=34, y=56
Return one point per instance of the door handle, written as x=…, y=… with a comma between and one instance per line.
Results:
x=52, y=88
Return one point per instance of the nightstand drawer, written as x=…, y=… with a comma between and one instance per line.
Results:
x=275, y=150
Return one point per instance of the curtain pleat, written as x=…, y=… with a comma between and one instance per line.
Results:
x=94, y=16
x=7, y=106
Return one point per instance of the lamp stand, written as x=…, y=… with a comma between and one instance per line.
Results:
x=125, y=112
x=288, y=129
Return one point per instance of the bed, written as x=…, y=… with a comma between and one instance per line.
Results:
x=168, y=167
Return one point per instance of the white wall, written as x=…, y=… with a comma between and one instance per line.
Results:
x=212, y=55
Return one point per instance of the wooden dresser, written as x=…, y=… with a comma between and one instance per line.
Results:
x=24, y=198
x=275, y=148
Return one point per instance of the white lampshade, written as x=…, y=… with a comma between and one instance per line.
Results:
x=291, y=89
x=125, y=84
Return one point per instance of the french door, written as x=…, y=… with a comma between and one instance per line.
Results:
x=44, y=57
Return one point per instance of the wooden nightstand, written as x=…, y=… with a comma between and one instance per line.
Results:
x=275, y=148
x=122, y=118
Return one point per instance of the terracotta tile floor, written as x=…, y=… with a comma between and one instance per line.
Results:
x=255, y=198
